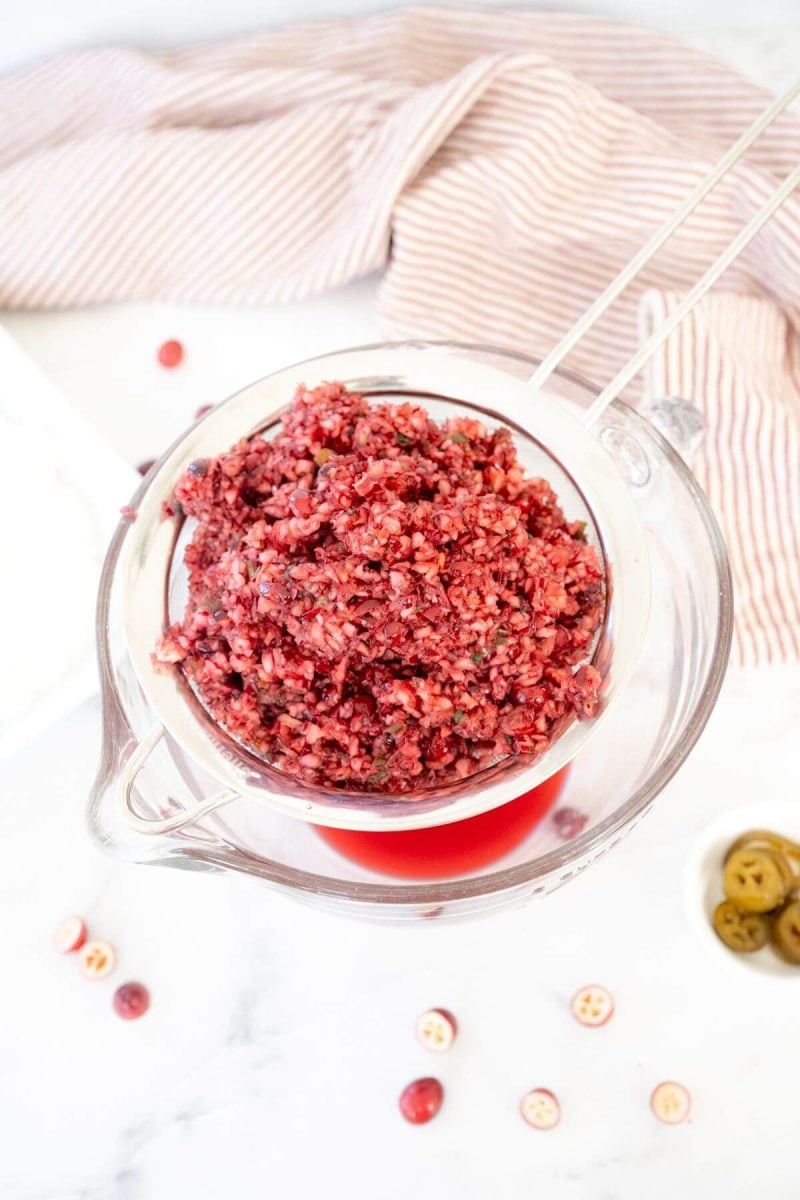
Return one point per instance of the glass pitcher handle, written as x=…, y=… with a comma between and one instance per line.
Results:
x=160, y=825
x=679, y=421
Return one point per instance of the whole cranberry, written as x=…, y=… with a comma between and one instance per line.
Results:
x=569, y=822
x=170, y=354
x=131, y=1000
x=421, y=1100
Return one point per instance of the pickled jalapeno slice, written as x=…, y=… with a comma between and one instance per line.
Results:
x=786, y=932
x=786, y=851
x=755, y=880
x=742, y=932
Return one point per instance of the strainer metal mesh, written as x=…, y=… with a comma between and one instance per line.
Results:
x=550, y=442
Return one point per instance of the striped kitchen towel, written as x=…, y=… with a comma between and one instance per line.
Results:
x=501, y=166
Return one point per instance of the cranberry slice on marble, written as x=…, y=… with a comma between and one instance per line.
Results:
x=97, y=959
x=70, y=935
x=540, y=1108
x=436, y=1029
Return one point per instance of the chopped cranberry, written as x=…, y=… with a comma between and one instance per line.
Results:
x=170, y=354
x=127, y=513
x=131, y=1000
x=390, y=570
x=363, y=706
x=145, y=466
x=569, y=822
x=202, y=410
x=421, y=1100
x=301, y=503
x=438, y=750
x=562, y=639
x=519, y=721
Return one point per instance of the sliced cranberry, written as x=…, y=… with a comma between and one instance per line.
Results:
x=97, y=959
x=436, y=1029
x=70, y=935
x=131, y=1000
x=540, y=1108
x=421, y=1100
x=170, y=354
x=593, y=1005
x=569, y=822
x=671, y=1102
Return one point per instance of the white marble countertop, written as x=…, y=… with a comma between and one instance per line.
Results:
x=279, y=1038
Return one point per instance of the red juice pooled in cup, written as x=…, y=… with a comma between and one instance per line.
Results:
x=447, y=850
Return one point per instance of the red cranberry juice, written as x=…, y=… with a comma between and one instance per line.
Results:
x=446, y=850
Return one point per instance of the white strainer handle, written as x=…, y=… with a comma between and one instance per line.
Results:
x=158, y=825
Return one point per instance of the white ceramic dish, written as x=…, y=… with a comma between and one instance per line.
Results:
x=703, y=884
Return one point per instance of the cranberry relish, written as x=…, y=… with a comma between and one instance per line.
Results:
x=381, y=602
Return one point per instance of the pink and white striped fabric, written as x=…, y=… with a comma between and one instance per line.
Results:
x=500, y=166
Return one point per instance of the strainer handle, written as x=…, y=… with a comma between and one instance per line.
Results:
x=159, y=825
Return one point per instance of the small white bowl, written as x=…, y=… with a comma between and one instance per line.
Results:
x=703, y=882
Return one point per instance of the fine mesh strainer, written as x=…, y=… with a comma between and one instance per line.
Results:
x=550, y=441
x=581, y=465
x=644, y=734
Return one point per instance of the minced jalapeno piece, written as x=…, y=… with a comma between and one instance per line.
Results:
x=743, y=932
x=786, y=932
x=755, y=880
